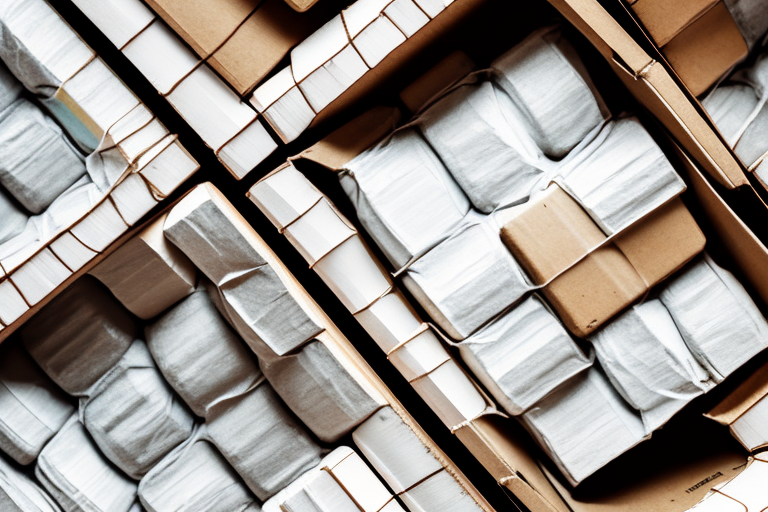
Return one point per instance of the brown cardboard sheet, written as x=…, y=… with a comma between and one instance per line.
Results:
x=664, y=20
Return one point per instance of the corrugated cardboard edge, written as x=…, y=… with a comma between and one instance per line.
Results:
x=742, y=399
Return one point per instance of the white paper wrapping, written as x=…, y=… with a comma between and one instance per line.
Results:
x=439, y=492
x=10, y=87
x=37, y=163
x=523, y=355
x=320, y=391
x=468, y=279
x=195, y=477
x=478, y=134
x=13, y=218
x=268, y=317
x=649, y=364
x=79, y=335
x=584, y=424
x=32, y=408
x=716, y=317
x=562, y=112
x=730, y=106
x=403, y=196
x=394, y=450
x=132, y=414
x=751, y=17
x=199, y=354
x=19, y=493
x=262, y=440
x=625, y=176
x=753, y=143
x=78, y=477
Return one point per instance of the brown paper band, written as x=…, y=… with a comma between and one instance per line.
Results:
x=389, y=290
x=348, y=237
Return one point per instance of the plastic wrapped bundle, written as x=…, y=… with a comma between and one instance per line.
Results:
x=262, y=440
x=467, y=280
x=584, y=424
x=477, y=133
x=322, y=393
x=730, y=106
x=404, y=197
x=79, y=335
x=648, y=362
x=32, y=408
x=199, y=354
x=523, y=355
x=132, y=414
x=561, y=113
x=753, y=143
x=10, y=88
x=38, y=163
x=13, y=218
x=717, y=318
x=195, y=477
x=625, y=177
x=19, y=493
x=78, y=477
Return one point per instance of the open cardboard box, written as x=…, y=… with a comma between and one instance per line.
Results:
x=146, y=173
x=683, y=461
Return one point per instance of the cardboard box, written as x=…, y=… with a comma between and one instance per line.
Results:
x=587, y=279
x=664, y=20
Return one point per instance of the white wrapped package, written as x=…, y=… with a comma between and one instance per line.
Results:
x=545, y=78
x=584, y=425
x=649, y=364
x=625, y=176
x=730, y=106
x=10, y=87
x=320, y=391
x=477, y=133
x=439, y=492
x=751, y=17
x=32, y=408
x=79, y=335
x=199, y=354
x=753, y=143
x=37, y=163
x=132, y=414
x=342, y=482
x=78, y=477
x=394, y=450
x=523, y=355
x=13, y=218
x=19, y=493
x=195, y=477
x=262, y=440
x=403, y=195
x=468, y=279
x=263, y=312
x=716, y=317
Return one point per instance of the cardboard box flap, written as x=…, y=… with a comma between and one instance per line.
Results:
x=664, y=19
x=742, y=399
x=344, y=144
x=446, y=73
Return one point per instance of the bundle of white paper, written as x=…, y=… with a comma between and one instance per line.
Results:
x=19, y=493
x=753, y=143
x=584, y=424
x=132, y=414
x=13, y=218
x=523, y=355
x=320, y=391
x=32, y=408
x=717, y=318
x=73, y=471
x=561, y=114
x=394, y=450
x=623, y=176
x=79, y=336
x=38, y=164
x=195, y=477
x=751, y=17
x=745, y=492
x=439, y=492
x=199, y=354
x=403, y=195
x=477, y=132
x=147, y=274
x=262, y=440
x=751, y=428
x=342, y=482
x=270, y=319
x=730, y=106
x=283, y=105
x=468, y=279
x=648, y=362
